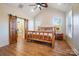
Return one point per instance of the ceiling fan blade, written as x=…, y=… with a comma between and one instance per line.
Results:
x=38, y=3
x=40, y=8
x=31, y=5
x=44, y=4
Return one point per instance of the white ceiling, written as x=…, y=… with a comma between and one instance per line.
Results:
x=25, y=9
x=60, y=6
x=28, y=9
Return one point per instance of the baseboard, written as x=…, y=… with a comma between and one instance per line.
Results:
x=2, y=45
x=75, y=51
x=72, y=46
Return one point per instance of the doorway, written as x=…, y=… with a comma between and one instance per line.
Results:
x=18, y=28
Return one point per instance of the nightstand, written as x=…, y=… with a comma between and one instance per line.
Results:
x=59, y=36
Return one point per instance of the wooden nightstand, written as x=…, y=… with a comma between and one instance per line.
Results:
x=59, y=36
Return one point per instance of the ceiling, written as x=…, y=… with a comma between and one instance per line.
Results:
x=61, y=6
x=25, y=8
x=28, y=9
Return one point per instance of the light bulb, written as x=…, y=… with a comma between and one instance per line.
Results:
x=38, y=6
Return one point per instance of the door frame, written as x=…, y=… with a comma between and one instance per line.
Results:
x=25, y=27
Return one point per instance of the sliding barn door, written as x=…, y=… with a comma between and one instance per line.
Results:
x=12, y=29
x=26, y=28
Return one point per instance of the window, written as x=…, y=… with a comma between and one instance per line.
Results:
x=37, y=24
x=57, y=23
x=31, y=25
x=69, y=24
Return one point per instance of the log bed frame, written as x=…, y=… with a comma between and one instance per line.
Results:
x=43, y=35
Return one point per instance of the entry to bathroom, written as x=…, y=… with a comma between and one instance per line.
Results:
x=20, y=29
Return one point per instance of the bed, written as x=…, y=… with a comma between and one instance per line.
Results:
x=43, y=34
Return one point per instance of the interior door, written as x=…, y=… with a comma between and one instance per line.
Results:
x=26, y=28
x=12, y=29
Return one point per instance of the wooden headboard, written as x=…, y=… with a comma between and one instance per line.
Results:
x=46, y=28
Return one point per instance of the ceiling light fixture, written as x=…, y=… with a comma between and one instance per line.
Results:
x=38, y=6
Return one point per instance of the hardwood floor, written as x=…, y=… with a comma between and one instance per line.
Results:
x=34, y=48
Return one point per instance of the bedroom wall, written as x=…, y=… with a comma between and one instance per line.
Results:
x=4, y=22
x=76, y=28
x=3, y=28
x=45, y=16
x=74, y=41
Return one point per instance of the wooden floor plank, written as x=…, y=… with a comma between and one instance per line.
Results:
x=34, y=48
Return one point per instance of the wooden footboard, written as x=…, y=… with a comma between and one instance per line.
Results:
x=43, y=36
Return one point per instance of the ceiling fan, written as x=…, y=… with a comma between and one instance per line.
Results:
x=39, y=5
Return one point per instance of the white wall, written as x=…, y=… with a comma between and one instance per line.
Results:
x=4, y=22
x=76, y=27
x=3, y=28
x=45, y=16
x=74, y=41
